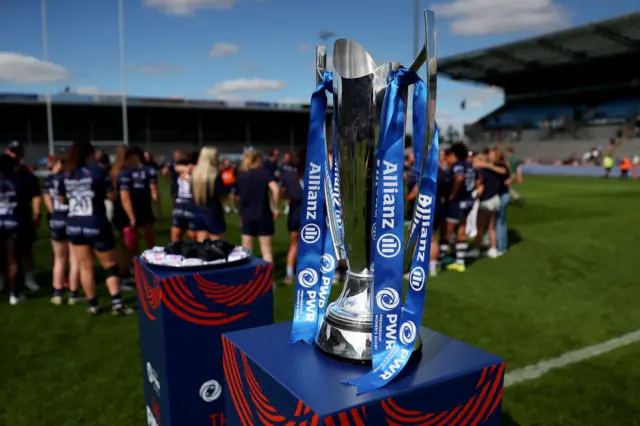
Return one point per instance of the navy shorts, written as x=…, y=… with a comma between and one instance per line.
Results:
x=10, y=234
x=100, y=239
x=258, y=227
x=182, y=219
x=205, y=222
x=295, y=215
x=458, y=210
x=58, y=228
x=59, y=234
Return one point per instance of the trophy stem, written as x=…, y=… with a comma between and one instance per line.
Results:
x=346, y=331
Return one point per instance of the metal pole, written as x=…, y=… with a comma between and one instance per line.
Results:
x=45, y=54
x=416, y=23
x=123, y=75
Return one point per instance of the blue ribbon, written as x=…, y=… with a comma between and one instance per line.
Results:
x=314, y=277
x=396, y=329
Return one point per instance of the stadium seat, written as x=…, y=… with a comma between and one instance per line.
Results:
x=618, y=108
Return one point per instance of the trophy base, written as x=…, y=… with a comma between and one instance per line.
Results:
x=348, y=342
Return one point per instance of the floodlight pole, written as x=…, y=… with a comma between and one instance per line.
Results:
x=45, y=55
x=123, y=75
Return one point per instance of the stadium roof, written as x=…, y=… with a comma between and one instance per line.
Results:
x=148, y=102
x=614, y=37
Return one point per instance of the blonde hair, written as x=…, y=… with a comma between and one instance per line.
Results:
x=204, y=175
x=250, y=159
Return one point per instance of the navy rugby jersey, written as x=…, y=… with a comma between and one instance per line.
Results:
x=184, y=193
x=138, y=182
x=174, y=175
x=465, y=169
x=253, y=189
x=85, y=189
x=60, y=209
x=9, y=212
x=292, y=183
x=213, y=206
x=29, y=189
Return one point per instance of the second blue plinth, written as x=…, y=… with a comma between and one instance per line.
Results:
x=182, y=314
x=270, y=381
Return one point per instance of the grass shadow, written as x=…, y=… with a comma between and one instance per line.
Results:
x=514, y=237
x=507, y=420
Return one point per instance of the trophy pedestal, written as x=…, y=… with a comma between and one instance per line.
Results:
x=182, y=314
x=272, y=381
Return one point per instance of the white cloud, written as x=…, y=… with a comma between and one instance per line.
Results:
x=476, y=97
x=223, y=49
x=24, y=69
x=474, y=104
x=293, y=101
x=482, y=17
x=245, y=85
x=188, y=7
x=92, y=91
x=304, y=47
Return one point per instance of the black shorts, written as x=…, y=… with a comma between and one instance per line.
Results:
x=295, y=215
x=100, y=239
x=144, y=215
x=258, y=227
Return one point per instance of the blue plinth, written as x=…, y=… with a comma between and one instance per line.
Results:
x=270, y=381
x=182, y=315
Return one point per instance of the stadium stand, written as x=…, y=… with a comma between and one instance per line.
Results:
x=579, y=84
x=157, y=125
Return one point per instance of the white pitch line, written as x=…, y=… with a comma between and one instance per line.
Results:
x=543, y=367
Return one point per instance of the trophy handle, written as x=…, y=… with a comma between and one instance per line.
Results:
x=336, y=236
x=321, y=62
x=427, y=55
x=432, y=79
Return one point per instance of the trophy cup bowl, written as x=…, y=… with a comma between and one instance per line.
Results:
x=359, y=87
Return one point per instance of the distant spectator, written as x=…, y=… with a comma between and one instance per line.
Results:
x=271, y=163
x=625, y=166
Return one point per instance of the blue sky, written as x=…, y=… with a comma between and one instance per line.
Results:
x=256, y=49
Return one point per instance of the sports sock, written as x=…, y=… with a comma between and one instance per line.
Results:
x=461, y=251
x=116, y=301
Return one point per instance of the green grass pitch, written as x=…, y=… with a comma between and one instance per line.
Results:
x=570, y=280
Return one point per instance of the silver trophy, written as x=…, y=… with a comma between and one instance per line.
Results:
x=359, y=87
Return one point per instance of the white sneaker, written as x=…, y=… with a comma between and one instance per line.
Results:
x=30, y=282
x=14, y=300
x=492, y=253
